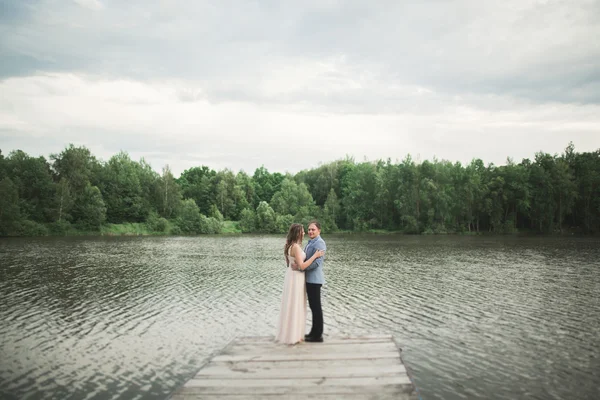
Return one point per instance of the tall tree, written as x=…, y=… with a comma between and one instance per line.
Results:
x=63, y=201
x=78, y=166
x=359, y=188
x=33, y=179
x=587, y=170
x=291, y=197
x=265, y=218
x=566, y=192
x=91, y=208
x=81, y=170
x=168, y=194
x=247, y=190
x=10, y=215
x=408, y=199
x=266, y=184
x=122, y=190
x=190, y=219
x=331, y=211
x=2, y=166
x=199, y=184
x=231, y=199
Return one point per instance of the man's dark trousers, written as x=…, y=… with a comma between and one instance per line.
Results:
x=313, y=291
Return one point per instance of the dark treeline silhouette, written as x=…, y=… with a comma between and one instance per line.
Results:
x=73, y=191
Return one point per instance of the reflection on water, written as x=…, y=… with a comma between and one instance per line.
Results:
x=132, y=318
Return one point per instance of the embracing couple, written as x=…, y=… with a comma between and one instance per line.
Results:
x=303, y=278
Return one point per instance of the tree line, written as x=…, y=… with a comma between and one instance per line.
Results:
x=73, y=191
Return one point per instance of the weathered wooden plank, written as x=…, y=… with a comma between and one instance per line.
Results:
x=234, y=371
x=335, y=340
x=320, y=382
x=304, y=356
x=306, y=396
x=362, y=367
x=327, y=341
x=308, y=389
x=326, y=344
x=305, y=364
x=312, y=348
x=311, y=363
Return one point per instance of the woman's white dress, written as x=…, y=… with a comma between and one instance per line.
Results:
x=292, y=317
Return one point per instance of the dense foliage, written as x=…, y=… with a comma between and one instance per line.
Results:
x=73, y=192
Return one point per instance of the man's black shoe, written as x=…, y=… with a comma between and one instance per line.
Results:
x=314, y=339
x=307, y=336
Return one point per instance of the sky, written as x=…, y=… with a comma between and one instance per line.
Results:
x=290, y=84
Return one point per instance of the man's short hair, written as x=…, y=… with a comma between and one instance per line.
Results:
x=316, y=223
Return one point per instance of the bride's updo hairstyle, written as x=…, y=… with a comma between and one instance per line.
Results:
x=294, y=236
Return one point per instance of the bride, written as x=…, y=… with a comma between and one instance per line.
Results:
x=292, y=317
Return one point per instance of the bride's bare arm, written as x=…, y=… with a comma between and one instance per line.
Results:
x=296, y=250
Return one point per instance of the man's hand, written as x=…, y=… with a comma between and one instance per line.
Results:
x=294, y=267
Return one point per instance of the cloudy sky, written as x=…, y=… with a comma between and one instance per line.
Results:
x=291, y=84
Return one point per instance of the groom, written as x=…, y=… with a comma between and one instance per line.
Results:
x=314, y=280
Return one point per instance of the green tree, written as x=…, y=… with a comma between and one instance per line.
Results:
x=168, y=194
x=91, y=208
x=266, y=184
x=247, y=187
x=283, y=223
x=80, y=169
x=586, y=168
x=2, y=166
x=518, y=193
x=78, y=166
x=190, y=220
x=211, y=225
x=566, y=192
x=199, y=184
x=544, y=192
x=226, y=194
x=148, y=179
x=33, y=179
x=359, y=187
x=156, y=223
x=63, y=201
x=291, y=198
x=265, y=218
x=331, y=211
x=248, y=221
x=10, y=215
x=408, y=199
x=122, y=190
x=321, y=180
x=215, y=213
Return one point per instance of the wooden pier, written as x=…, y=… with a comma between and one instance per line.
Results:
x=363, y=367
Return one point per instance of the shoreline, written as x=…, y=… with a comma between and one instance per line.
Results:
x=231, y=229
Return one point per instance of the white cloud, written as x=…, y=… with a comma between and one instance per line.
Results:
x=237, y=84
x=150, y=119
x=91, y=4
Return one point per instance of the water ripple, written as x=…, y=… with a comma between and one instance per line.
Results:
x=132, y=318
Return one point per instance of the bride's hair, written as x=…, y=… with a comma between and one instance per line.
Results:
x=294, y=236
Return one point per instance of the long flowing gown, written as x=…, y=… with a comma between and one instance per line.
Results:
x=292, y=317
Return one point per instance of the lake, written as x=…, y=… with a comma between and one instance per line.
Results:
x=132, y=318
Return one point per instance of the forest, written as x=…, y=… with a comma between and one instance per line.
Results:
x=75, y=193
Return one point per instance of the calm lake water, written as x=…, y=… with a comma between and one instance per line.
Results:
x=132, y=318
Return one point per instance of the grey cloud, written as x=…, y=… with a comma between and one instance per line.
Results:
x=530, y=50
x=16, y=11
x=452, y=79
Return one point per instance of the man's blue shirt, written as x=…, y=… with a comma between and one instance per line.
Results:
x=314, y=272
